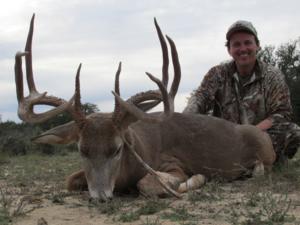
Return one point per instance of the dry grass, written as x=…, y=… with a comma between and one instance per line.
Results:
x=30, y=182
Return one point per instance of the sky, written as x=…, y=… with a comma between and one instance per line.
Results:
x=101, y=33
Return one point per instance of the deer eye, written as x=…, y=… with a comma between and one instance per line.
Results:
x=84, y=152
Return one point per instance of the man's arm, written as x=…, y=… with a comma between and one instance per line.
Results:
x=202, y=98
x=278, y=103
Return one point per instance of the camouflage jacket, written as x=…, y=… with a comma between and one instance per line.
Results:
x=264, y=95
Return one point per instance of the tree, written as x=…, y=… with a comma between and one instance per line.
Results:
x=288, y=61
x=89, y=108
x=287, y=58
x=65, y=117
x=267, y=55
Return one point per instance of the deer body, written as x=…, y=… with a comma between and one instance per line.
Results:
x=188, y=144
x=203, y=144
x=212, y=146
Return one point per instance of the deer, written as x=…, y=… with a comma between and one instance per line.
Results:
x=159, y=153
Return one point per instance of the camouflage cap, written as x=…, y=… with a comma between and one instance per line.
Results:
x=241, y=25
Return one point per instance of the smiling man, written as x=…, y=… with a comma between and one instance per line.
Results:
x=248, y=91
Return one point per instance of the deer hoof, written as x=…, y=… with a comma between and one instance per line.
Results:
x=192, y=183
x=259, y=170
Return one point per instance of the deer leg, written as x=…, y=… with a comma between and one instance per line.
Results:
x=266, y=156
x=259, y=169
x=150, y=187
x=194, y=182
x=77, y=181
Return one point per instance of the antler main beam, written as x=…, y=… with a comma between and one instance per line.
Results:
x=26, y=104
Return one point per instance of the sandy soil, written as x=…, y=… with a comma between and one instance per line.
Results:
x=74, y=209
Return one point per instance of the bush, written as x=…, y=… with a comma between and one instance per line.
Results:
x=15, y=139
x=14, y=145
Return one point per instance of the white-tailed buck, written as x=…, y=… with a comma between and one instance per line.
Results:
x=181, y=148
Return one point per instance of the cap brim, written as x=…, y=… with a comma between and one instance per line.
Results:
x=238, y=29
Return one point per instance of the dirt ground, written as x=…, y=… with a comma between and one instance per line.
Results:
x=223, y=205
x=32, y=192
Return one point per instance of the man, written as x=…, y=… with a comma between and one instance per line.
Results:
x=248, y=91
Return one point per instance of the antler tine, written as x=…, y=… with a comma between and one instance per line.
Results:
x=28, y=57
x=78, y=116
x=168, y=108
x=164, y=48
x=77, y=102
x=139, y=114
x=19, y=75
x=146, y=100
x=117, y=83
x=117, y=109
x=177, y=69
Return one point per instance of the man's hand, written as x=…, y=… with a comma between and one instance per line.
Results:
x=265, y=124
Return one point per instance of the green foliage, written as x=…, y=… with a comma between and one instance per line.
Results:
x=152, y=207
x=15, y=138
x=149, y=221
x=5, y=203
x=65, y=117
x=23, y=170
x=271, y=209
x=109, y=207
x=149, y=208
x=89, y=108
x=12, y=206
x=4, y=216
x=129, y=217
x=178, y=214
x=267, y=55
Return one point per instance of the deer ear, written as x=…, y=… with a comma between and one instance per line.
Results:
x=64, y=134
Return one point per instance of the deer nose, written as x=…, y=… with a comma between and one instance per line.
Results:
x=95, y=201
x=101, y=199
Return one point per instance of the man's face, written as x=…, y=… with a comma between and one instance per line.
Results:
x=243, y=48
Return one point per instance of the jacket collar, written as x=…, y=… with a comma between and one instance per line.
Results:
x=257, y=69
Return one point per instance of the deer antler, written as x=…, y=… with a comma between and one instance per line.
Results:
x=168, y=97
x=153, y=97
x=117, y=90
x=144, y=100
x=76, y=112
x=26, y=104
